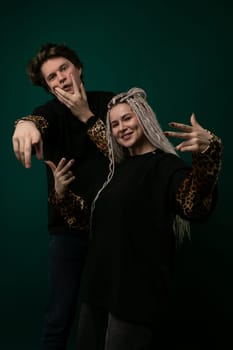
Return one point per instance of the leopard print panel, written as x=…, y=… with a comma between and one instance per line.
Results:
x=73, y=209
x=40, y=122
x=97, y=134
x=195, y=194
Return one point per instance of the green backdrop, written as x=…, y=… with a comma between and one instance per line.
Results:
x=180, y=52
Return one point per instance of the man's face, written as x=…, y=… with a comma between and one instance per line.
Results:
x=57, y=73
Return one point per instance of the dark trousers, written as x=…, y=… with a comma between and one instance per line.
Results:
x=100, y=330
x=66, y=261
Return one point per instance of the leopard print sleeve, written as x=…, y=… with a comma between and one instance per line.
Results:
x=72, y=208
x=40, y=122
x=195, y=195
x=97, y=134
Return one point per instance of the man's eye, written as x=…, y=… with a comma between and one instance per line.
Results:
x=51, y=77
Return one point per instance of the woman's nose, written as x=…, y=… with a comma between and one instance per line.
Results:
x=121, y=126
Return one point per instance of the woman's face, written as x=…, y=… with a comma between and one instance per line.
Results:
x=127, y=130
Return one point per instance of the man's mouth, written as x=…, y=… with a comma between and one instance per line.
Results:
x=67, y=88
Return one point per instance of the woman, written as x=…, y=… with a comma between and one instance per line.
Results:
x=138, y=216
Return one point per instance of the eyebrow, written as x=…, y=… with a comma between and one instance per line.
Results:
x=123, y=116
x=51, y=74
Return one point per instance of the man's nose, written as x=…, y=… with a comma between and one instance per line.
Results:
x=61, y=77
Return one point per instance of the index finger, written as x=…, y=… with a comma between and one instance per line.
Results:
x=27, y=153
x=181, y=126
x=63, y=165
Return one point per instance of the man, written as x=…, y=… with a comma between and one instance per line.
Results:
x=68, y=126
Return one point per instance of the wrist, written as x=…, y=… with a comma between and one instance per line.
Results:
x=91, y=121
x=39, y=122
x=22, y=121
x=86, y=117
x=59, y=196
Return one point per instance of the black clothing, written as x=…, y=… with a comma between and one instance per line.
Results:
x=66, y=260
x=132, y=249
x=67, y=137
x=100, y=330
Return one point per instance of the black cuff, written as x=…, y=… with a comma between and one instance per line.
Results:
x=91, y=121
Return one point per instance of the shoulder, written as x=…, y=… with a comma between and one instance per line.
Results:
x=93, y=96
x=98, y=101
x=52, y=103
x=100, y=93
x=50, y=107
x=168, y=162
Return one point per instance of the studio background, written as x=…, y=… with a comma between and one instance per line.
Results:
x=179, y=52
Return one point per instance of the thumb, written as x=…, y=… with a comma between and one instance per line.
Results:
x=51, y=165
x=193, y=121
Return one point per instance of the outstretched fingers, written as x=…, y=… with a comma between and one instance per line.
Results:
x=64, y=166
x=62, y=174
x=75, y=86
x=179, y=135
x=62, y=96
x=196, y=138
x=51, y=165
x=83, y=92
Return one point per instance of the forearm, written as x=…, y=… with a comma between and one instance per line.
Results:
x=97, y=133
x=72, y=208
x=196, y=194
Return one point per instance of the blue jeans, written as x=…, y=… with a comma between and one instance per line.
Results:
x=66, y=261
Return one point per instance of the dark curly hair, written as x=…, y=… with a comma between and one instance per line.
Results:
x=47, y=51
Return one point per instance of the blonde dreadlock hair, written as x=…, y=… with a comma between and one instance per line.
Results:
x=136, y=99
